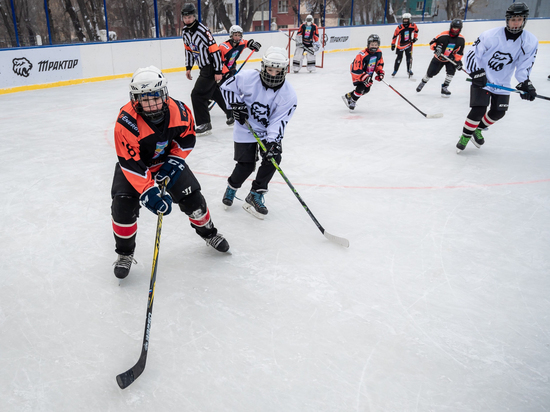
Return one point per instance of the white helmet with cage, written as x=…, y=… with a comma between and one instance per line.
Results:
x=407, y=17
x=309, y=20
x=149, y=92
x=235, y=29
x=274, y=58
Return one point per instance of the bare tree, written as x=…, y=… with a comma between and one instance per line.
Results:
x=70, y=10
x=8, y=23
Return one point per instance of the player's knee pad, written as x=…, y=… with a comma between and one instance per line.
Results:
x=125, y=209
x=494, y=115
x=190, y=203
x=476, y=113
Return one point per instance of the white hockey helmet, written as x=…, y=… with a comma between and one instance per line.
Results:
x=276, y=58
x=406, y=16
x=149, y=82
x=309, y=20
x=235, y=29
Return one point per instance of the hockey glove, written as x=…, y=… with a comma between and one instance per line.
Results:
x=415, y=40
x=379, y=76
x=459, y=65
x=170, y=171
x=156, y=203
x=273, y=149
x=479, y=78
x=529, y=92
x=240, y=112
x=367, y=80
x=393, y=47
x=254, y=45
x=439, y=50
x=316, y=47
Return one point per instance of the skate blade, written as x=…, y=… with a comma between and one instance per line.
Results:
x=445, y=96
x=250, y=209
x=208, y=132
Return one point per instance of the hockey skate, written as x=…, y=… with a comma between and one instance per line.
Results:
x=445, y=92
x=394, y=73
x=478, y=138
x=229, y=196
x=410, y=74
x=461, y=145
x=218, y=242
x=420, y=85
x=123, y=264
x=350, y=103
x=204, y=129
x=254, y=204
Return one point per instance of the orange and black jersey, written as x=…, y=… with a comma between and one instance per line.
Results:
x=405, y=36
x=366, y=64
x=230, y=55
x=453, y=47
x=142, y=147
x=310, y=34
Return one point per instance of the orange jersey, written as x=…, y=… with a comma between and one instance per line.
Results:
x=453, y=47
x=230, y=55
x=142, y=148
x=310, y=34
x=405, y=36
x=366, y=65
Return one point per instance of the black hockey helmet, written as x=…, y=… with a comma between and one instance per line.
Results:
x=456, y=27
x=517, y=10
x=188, y=9
x=373, y=38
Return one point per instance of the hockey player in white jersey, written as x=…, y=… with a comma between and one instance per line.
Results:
x=267, y=102
x=494, y=57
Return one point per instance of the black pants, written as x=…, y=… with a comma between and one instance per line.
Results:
x=435, y=67
x=246, y=156
x=399, y=59
x=125, y=206
x=206, y=89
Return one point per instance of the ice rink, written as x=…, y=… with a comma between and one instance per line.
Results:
x=441, y=302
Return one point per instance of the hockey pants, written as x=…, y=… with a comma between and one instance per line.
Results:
x=298, y=58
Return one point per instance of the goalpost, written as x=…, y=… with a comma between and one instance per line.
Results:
x=291, y=46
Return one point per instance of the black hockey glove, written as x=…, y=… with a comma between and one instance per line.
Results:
x=273, y=149
x=156, y=203
x=415, y=40
x=459, y=65
x=439, y=50
x=393, y=47
x=254, y=45
x=170, y=171
x=479, y=78
x=529, y=90
x=240, y=112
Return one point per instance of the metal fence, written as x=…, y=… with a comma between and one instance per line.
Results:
x=28, y=23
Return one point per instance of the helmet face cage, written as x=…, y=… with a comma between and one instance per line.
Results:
x=235, y=29
x=406, y=19
x=373, y=38
x=274, y=58
x=149, y=93
x=309, y=20
x=456, y=27
x=517, y=10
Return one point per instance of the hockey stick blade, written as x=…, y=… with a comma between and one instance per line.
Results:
x=434, y=116
x=336, y=239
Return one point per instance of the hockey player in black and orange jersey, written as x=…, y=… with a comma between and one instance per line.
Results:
x=405, y=35
x=154, y=134
x=449, y=43
x=307, y=39
x=232, y=49
x=367, y=64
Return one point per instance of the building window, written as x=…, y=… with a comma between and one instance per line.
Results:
x=283, y=6
x=229, y=9
x=419, y=5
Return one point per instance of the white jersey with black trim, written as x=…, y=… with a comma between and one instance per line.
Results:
x=500, y=57
x=269, y=110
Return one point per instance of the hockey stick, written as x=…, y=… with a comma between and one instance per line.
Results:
x=251, y=53
x=310, y=51
x=428, y=116
x=127, y=378
x=509, y=89
x=336, y=239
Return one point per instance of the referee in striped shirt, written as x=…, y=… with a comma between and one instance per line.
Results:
x=201, y=48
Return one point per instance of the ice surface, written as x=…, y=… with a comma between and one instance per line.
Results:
x=441, y=303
